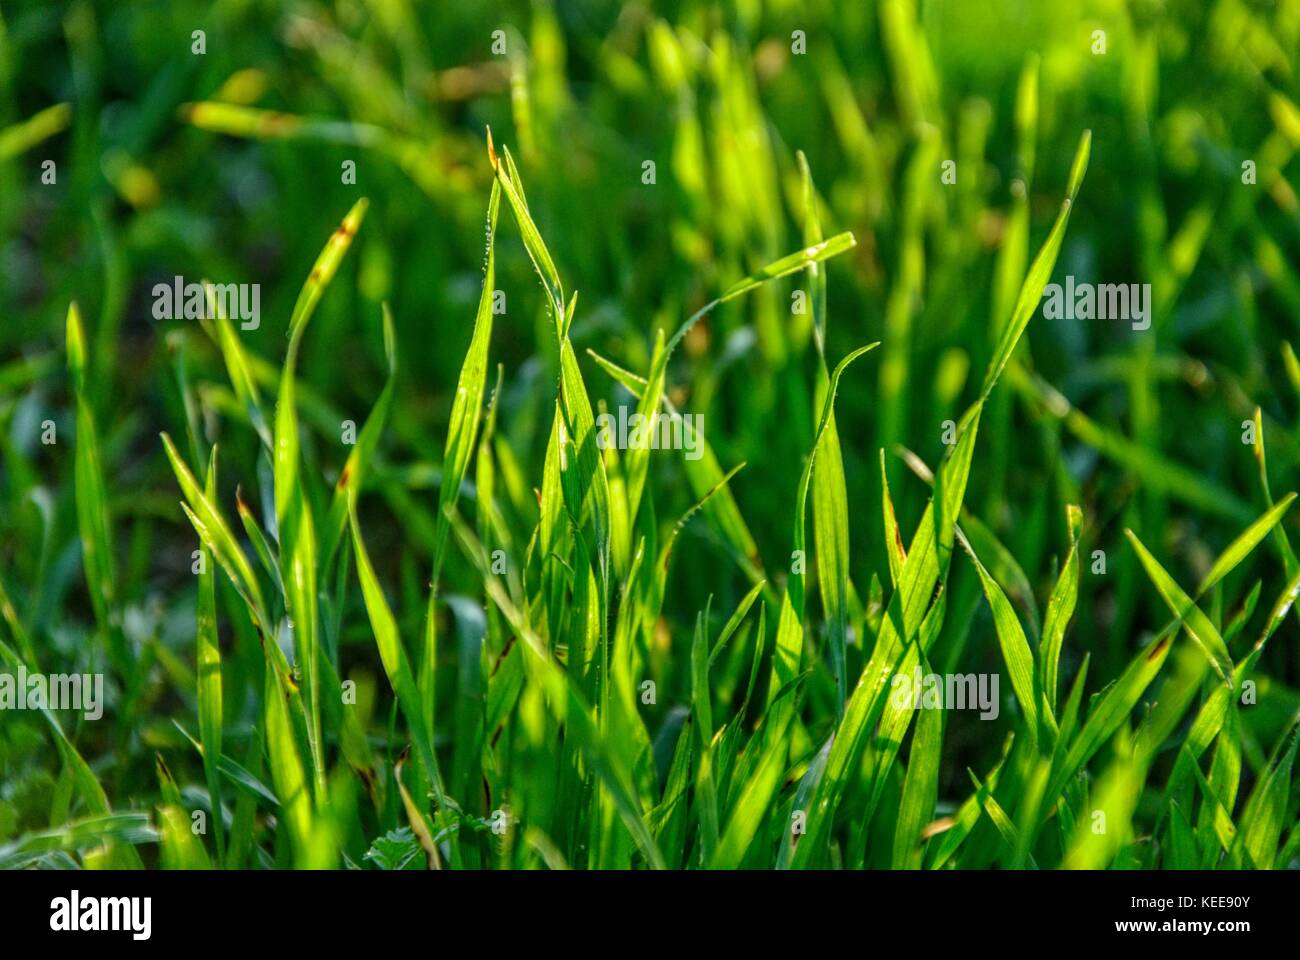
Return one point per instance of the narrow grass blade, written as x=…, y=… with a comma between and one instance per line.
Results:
x=894, y=549
x=91, y=496
x=1060, y=608
x=1244, y=544
x=208, y=673
x=396, y=664
x=1266, y=811
x=299, y=567
x=789, y=638
x=920, y=787
x=219, y=539
x=1015, y=649
x=21, y=137
x=1040, y=271
x=1182, y=606
x=1111, y=709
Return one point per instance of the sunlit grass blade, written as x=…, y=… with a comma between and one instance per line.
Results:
x=1006, y=829
x=734, y=621
x=129, y=829
x=506, y=176
x=894, y=549
x=968, y=815
x=208, y=674
x=1110, y=710
x=926, y=564
x=180, y=846
x=1198, y=625
x=704, y=475
x=566, y=703
x=92, y=498
x=219, y=539
x=790, y=630
x=1040, y=271
x=1015, y=651
x=397, y=667
x=21, y=137
x=238, y=366
x=1244, y=544
x=1060, y=608
x=755, y=798
x=920, y=786
x=287, y=772
x=1261, y=459
x=1265, y=815
x=462, y=430
x=298, y=554
x=790, y=263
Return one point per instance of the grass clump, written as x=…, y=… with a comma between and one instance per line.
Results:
x=380, y=595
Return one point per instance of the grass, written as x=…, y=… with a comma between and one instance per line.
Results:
x=367, y=590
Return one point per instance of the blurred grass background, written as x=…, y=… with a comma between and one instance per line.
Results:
x=244, y=188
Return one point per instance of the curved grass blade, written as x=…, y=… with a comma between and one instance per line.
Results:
x=298, y=553
x=1244, y=544
x=789, y=635
x=397, y=667
x=218, y=538
x=1114, y=705
x=1015, y=651
x=1183, y=607
x=507, y=177
x=1040, y=271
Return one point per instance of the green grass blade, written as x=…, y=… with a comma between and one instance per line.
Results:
x=1015, y=649
x=91, y=496
x=920, y=787
x=287, y=773
x=208, y=674
x=1198, y=625
x=1113, y=707
x=218, y=538
x=392, y=654
x=789, y=638
x=507, y=177
x=299, y=566
x=1060, y=608
x=1040, y=271
x=21, y=137
x=894, y=549
x=1266, y=811
x=1244, y=544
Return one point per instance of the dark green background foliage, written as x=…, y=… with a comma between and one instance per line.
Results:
x=515, y=727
